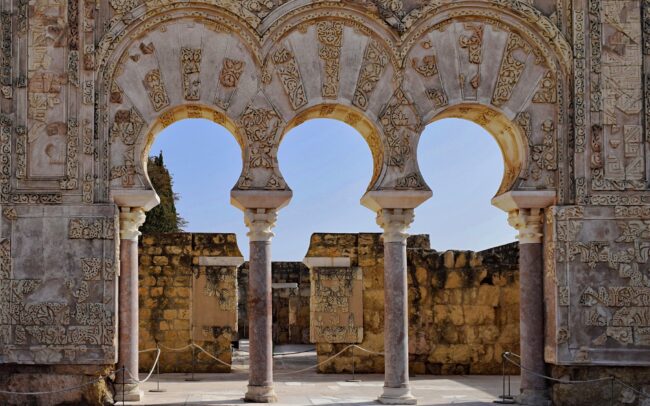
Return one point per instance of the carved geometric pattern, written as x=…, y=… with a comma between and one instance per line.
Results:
x=289, y=74
x=374, y=62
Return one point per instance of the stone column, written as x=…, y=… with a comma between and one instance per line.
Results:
x=130, y=221
x=260, y=380
x=531, y=308
x=397, y=389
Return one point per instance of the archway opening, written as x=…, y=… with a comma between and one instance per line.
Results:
x=464, y=165
x=465, y=289
x=188, y=279
x=328, y=165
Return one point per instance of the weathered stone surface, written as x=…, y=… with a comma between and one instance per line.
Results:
x=460, y=327
x=24, y=378
x=184, y=302
x=290, y=305
x=86, y=86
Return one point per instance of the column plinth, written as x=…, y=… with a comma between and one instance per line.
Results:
x=126, y=385
x=260, y=381
x=397, y=389
x=529, y=222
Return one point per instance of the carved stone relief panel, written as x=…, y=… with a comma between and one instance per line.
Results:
x=336, y=305
x=49, y=36
x=618, y=162
x=214, y=288
x=596, y=275
x=75, y=323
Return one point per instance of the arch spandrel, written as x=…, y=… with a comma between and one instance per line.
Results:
x=499, y=73
x=183, y=67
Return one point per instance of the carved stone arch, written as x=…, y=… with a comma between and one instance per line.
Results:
x=155, y=71
x=508, y=69
x=352, y=69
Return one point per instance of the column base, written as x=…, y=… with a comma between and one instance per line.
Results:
x=534, y=397
x=132, y=392
x=397, y=396
x=260, y=394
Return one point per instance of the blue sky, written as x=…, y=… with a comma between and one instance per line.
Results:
x=328, y=165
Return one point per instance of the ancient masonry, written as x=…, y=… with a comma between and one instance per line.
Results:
x=463, y=306
x=86, y=85
x=188, y=294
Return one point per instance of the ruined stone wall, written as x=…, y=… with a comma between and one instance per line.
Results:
x=182, y=275
x=290, y=306
x=463, y=306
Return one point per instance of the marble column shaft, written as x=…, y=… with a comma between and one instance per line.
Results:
x=395, y=316
x=130, y=221
x=260, y=380
x=260, y=314
x=397, y=390
x=531, y=306
x=128, y=310
x=531, y=315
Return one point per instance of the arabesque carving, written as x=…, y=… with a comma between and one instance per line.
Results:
x=330, y=36
x=191, y=69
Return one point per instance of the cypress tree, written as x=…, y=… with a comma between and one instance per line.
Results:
x=163, y=218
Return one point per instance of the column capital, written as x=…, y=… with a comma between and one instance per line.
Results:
x=395, y=222
x=529, y=224
x=131, y=219
x=260, y=222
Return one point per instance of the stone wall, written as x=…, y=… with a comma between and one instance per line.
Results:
x=290, y=306
x=181, y=274
x=463, y=306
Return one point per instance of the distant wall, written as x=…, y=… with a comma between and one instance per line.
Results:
x=290, y=306
x=463, y=306
x=182, y=275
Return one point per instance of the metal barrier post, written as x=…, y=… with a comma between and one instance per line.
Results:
x=503, y=398
x=158, y=374
x=193, y=379
x=354, y=379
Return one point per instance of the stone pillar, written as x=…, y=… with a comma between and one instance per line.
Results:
x=260, y=381
x=397, y=389
x=531, y=311
x=130, y=221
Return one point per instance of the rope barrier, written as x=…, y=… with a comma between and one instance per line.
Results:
x=317, y=365
x=94, y=381
x=507, y=356
x=613, y=379
x=212, y=356
x=564, y=381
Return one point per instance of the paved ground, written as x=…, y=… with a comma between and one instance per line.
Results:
x=310, y=388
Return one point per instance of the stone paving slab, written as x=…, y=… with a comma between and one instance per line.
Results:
x=309, y=388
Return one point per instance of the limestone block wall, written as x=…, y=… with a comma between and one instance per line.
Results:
x=463, y=306
x=290, y=306
x=181, y=275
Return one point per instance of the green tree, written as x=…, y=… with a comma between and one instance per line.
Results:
x=163, y=218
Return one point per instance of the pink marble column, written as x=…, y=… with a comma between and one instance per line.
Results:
x=126, y=387
x=260, y=380
x=531, y=308
x=397, y=389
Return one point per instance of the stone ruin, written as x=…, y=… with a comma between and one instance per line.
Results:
x=85, y=86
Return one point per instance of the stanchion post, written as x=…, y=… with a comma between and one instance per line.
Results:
x=503, y=398
x=158, y=390
x=193, y=379
x=354, y=379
